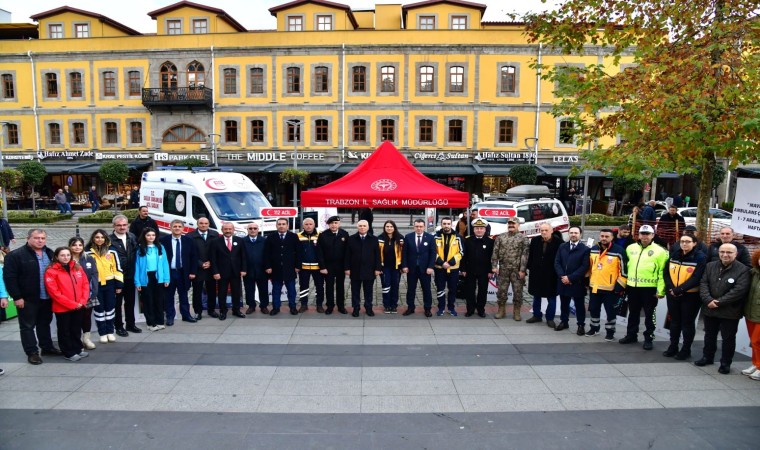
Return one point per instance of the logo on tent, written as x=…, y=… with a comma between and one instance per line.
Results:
x=384, y=185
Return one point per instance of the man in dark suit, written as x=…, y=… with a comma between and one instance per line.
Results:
x=202, y=238
x=180, y=252
x=282, y=261
x=417, y=263
x=332, y=251
x=125, y=244
x=228, y=265
x=476, y=267
x=571, y=264
x=362, y=266
x=255, y=278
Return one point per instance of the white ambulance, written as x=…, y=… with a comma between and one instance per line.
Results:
x=217, y=195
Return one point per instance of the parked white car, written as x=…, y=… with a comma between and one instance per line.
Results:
x=532, y=212
x=720, y=218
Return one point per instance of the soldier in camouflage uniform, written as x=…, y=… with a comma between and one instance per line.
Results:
x=510, y=260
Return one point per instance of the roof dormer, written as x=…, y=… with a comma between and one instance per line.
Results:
x=67, y=22
x=314, y=15
x=443, y=15
x=192, y=18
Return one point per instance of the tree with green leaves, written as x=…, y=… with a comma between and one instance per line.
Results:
x=523, y=174
x=114, y=172
x=688, y=98
x=9, y=178
x=33, y=173
x=190, y=162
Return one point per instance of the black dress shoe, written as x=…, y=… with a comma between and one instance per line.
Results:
x=428, y=313
x=34, y=359
x=320, y=309
x=121, y=332
x=648, y=345
x=213, y=314
x=370, y=312
x=328, y=311
x=725, y=369
x=469, y=314
x=561, y=326
x=683, y=355
x=134, y=329
x=189, y=319
x=303, y=309
x=52, y=351
x=628, y=340
x=264, y=310
x=198, y=317
x=408, y=312
x=223, y=316
x=250, y=310
x=169, y=322
x=482, y=314
x=356, y=312
x=342, y=310
x=274, y=311
x=703, y=362
x=671, y=351
x=238, y=314
x=294, y=311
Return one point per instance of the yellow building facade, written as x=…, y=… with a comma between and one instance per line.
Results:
x=455, y=94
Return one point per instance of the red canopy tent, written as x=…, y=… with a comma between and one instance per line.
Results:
x=385, y=180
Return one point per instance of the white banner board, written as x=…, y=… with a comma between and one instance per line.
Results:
x=746, y=218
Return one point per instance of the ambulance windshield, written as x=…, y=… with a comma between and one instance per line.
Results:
x=237, y=205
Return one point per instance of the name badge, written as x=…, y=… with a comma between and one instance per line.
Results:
x=425, y=244
x=730, y=280
x=599, y=266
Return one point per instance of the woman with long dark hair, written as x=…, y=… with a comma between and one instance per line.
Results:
x=151, y=277
x=90, y=267
x=68, y=288
x=110, y=279
x=391, y=242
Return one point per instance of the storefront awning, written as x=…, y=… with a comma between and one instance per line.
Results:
x=503, y=169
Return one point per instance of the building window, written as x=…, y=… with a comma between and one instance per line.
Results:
x=427, y=75
x=321, y=130
x=359, y=78
x=324, y=23
x=293, y=132
x=294, y=80
x=55, y=31
x=257, y=80
x=109, y=84
x=458, y=22
x=173, y=27
x=388, y=78
x=388, y=130
x=508, y=79
x=506, y=132
x=52, y=84
x=9, y=90
x=168, y=76
x=200, y=26
x=257, y=131
x=78, y=130
x=75, y=82
x=82, y=30
x=455, y=130
x=230, y=81
x=134, y=82
x=112, y=135
x=321, y=79
x=184, y=133
x=55, y=133
x=230, y=130
x=427, y=22
x=12, y=133
x=196, y=74
x=456, y=79
x=295, y=23
x=426, y=130
x=359, y=130
x=566, y=131
x=136, y=132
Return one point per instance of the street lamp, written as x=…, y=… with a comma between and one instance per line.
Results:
x=212, y=140
x=296, y=136
x=2, y=166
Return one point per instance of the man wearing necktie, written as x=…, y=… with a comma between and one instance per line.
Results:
x=228, y=266
x=475, y=267
x=180, y=251
x=571, y=264
x=204, y=280
x=418, y=259
x=255, y=279
x=282, y=261
x=362, y=265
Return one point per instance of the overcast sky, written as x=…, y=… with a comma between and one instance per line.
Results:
x=253, y=14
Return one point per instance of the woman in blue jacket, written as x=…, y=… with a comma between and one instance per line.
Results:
x=151, y=277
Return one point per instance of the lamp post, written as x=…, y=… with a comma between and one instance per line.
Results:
x=297, y=135
x=212, y=140
x=2, y=166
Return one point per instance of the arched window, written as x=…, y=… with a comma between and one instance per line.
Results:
x=168, y=76
x=196, y=74
x=184, y=133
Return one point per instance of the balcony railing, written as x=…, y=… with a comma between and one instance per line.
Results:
x=180, y=96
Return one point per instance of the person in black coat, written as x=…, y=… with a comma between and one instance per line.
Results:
x=125, y=244
x=228, y=265
x=255, y=278
x=332, y=251
x=571, y=264
x=181, y=271
x=542, y=281
x=6, y=235
x=417, y=263
x=366, y=214
x=475, y=267
x=134, y=197
x=726, y=236
x=362, y=265
x=142, y=221
x=202, y=238
x=282, y=261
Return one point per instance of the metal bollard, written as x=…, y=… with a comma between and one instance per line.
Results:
x=77, y=230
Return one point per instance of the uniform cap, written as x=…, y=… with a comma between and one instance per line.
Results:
x=646, y=229
x=333, y=219
x=479, y=222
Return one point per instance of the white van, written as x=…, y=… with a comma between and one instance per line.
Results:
x=532, y=213
x=189, y=194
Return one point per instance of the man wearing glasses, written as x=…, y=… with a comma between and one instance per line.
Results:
x=255, y=279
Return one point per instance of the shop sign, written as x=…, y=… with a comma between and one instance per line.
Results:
x=22, y=157
x=118, y=155
x=565, y=158
x=440, y=156
x=525, y=157
x=273, y=156
x=178, y=156
x=357, y=155
x=65, y=154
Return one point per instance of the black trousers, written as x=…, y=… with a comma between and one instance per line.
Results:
x=335, y=288
x=235, y=286
x=251, y=285
x=204, y=281
x=70, y=331
x=642, y=298
x=152, y=297
x=125, y=298
x=362, y=285
x=727, y=328
x=476, y=301
x=34, y=318
x=303, y=286
x=683, y=312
